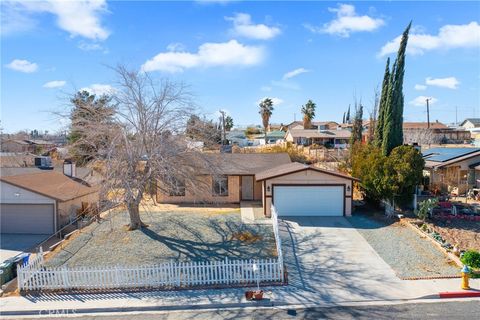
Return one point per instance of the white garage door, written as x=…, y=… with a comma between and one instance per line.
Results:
x=27, y=218
x=308, y=200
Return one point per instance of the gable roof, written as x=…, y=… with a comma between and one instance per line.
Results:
x=246, y=163
x=296, y=167
x=51, y=184
x=314, y=133
x=424, y=125
x=474, y=121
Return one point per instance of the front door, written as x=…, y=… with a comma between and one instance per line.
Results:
x=247, y=187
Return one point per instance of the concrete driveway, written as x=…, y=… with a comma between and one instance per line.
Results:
x=12, y=244
x=328, y=260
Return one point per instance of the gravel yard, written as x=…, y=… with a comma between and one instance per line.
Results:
x=403, y=249
x=171, y=236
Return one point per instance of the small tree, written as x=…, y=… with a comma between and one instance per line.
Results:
x=266, y=109
x=357, y=129
x=87, y=108
x=228, y=123
x=426, y=208
x=308, y=111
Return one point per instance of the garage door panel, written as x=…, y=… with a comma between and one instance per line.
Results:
x=27, y=218
x=309, y=200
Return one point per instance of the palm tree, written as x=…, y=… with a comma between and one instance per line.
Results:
x=266, y=108
x=308, y=111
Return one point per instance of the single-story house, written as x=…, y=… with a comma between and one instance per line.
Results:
x=296, y=189
x=25, y=145
x=449, y=168
x=237, y=137
x=274, y=136
x=470, y=123
x=41, y=202
x=322, y=125
x=234, y=180
x=306, y=137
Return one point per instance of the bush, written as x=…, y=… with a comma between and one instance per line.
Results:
x=425, y=208
x=471, y=258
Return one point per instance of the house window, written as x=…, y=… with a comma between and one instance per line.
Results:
x=220, y=186
x=177, y=188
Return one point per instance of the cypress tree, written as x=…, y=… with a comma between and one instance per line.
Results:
x=393, y=113
x=343, y=121
x=347, y=119
x=357, y=125
x=382, y=106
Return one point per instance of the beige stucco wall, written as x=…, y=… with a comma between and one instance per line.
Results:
x=67, y=210
x=309, y=177
x=453, y=176
x=257, y=192
x=201, y=192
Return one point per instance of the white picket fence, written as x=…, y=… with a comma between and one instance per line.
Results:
x=278, y=241
x=35, y=276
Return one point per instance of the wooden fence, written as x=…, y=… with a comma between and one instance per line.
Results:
x=168, y=275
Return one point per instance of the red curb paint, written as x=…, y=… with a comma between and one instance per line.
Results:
x=459, y=294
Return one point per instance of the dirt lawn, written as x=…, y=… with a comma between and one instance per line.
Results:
x=175, y=234
x=464, y=234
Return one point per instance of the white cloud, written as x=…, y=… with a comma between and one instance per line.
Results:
x=347, y=21
x=54, y=84
x=294, y=73
x=78, y=18
x=89, y=46
x=421, y=101
x=276, y=101
x=176, y=46
x=22, y=66
x=244, y=27
x=266, y=88
x=449, y=82
x=448, y=37
x=100, y=89
x=208, y=55
x=420, y=87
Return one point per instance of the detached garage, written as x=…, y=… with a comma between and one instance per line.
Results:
x=296, y=189
x=41, y=203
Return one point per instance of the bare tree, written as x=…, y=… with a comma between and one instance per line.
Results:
x=373, y=115
x=146, y=144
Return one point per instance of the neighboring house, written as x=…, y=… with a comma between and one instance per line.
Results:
x=237, y=137
x=470, y=123
x=294, y=188
x=448, y=168
x=41, y=202
x=297, y=189
x=437, y=132
x=322, y=125
x=275, y=136
x=329, y=138
x=233, y=183
x=26, y=145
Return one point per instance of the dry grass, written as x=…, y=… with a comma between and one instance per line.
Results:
x=246, y=236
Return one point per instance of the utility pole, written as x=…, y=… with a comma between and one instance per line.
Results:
x=428, y=113
x=223, y=127
x=456, y=115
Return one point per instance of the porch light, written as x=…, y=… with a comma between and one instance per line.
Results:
x=348, y=188
x=268, y=188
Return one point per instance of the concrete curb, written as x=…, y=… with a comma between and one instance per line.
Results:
x=459, y=294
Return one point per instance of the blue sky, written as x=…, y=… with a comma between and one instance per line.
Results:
x=232, y=54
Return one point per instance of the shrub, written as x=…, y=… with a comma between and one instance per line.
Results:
x=426, y=207
x=471, y=258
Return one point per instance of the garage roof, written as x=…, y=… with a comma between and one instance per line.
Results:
x=296, y=167
x=51, y=184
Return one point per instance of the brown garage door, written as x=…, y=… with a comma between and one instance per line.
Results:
x=27, y=218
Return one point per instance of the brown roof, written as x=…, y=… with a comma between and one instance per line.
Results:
x=246, y=163
x=314, y=133
x=423, y=125
x=296, y=167
x=51, y=184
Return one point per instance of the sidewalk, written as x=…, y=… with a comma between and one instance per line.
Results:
x=334, y=294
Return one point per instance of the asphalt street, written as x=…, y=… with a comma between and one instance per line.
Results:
x=433, y=310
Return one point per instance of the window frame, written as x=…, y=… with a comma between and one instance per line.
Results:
x=217, y=181
x=179, y=190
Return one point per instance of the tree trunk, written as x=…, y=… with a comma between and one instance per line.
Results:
x=134, y=213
